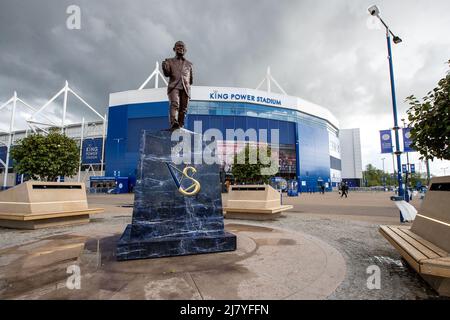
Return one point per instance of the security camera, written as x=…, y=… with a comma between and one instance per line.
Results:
x=374, y=11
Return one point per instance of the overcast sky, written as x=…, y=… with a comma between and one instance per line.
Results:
x=329, y=52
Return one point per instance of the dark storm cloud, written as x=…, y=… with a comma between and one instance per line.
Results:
x=323, y=51
x=318, y=50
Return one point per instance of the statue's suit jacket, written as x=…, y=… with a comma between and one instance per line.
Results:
x=171, y=69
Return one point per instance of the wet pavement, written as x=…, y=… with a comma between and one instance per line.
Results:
x=270, y=263
x=282, y=259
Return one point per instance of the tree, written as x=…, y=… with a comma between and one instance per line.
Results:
x=376, y=177
x=47, y=157
x=373, y=176
x=430, y=121
x=417, y=178
x=247, y=166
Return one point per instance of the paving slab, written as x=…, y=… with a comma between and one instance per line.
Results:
x=269, y=263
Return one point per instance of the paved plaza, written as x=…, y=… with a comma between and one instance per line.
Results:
x=321, y=249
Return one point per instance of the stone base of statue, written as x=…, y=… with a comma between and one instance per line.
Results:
x=167, y=222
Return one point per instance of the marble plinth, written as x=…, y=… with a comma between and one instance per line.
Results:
x=166, y=222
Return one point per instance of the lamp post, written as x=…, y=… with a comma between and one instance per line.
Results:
x=384, y=177
x=393, y=167
x=408, y=169
x=374, y=11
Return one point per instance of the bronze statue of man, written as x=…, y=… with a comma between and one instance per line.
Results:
x=179, y=70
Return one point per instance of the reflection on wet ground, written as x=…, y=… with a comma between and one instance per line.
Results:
x=42, y=269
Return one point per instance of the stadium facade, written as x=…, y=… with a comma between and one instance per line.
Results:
x=309, y=146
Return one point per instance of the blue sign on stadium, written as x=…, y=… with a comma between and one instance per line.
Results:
x=92, y=151
x=3, y=151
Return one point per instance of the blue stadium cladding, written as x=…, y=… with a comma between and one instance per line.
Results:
x=307, y=135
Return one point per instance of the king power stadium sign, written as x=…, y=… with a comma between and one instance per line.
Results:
x=92, y=151
x=243, y=97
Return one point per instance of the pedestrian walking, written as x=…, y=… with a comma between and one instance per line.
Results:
x=344, y=190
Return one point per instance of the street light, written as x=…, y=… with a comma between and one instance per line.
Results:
x=374, y=11
x=384, y=177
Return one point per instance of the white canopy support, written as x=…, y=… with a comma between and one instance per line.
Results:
x=35, y=128
x=103, y=145
x=34, y=110
x=38, y=122
x=65, y=90
x=81, y=149
x=156, y=74
x=269, y=79
x=86, y=173
x=86, y=104
x=46, y=104
x=10, y=137
x=6, y=103
x=31, y=127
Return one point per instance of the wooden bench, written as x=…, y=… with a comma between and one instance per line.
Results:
x=426, y=245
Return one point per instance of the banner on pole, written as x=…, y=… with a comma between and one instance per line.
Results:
x=413, y=168
x=407, y=140
x=404, y=168
x=386, y=141
x=3, y=152
x=92, y=151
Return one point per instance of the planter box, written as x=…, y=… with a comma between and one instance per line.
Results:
x=254, y=202
x=34, y=205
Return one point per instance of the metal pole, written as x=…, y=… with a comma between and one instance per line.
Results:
x=66, y=89
x=393, y=166
x=103, y=145
x=408, y=169
x=394, y=109
x=157, y=75
x=401, y=192
x=408, y=176
x=21, y=176
x=428, y=172
x=384, y=176
x=8, y=148
x=81, y=149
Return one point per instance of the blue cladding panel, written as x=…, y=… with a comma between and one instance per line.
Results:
x=136, y=126
x=116, y=141
x=314, y=156
x=126, y=123
x=146, y=110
